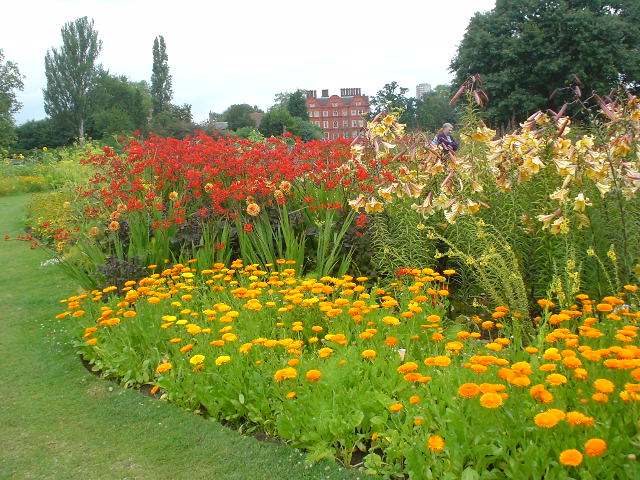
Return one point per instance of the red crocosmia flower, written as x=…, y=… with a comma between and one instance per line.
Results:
x=219, y=246
x=136, y=133
x=248, y=227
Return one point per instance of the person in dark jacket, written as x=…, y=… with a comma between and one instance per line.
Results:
x=444, y=138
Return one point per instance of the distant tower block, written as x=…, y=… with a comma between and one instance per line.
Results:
x=422, y=89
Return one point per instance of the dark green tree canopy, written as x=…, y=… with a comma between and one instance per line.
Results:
x=118, y=106
x=525, y=49
x=294, y=102
x=238, y=116
x=392, y=98
x=433, y=109
x=10, y=83
x=161, y=92
x=72, y=73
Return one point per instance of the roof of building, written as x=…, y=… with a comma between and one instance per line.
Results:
x=322, y=101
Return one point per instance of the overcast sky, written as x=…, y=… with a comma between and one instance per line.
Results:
x=221, y=53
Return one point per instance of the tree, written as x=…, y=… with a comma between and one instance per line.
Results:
x=433, y=109
x=10, y=82
x=72, y=73
x=294, y=102
x=118, y=106
x=161, y=92
x=42, y=133
x=525, y=49
x=392, y=98
x=275, y=122
x=175, y=121
x=237, y=116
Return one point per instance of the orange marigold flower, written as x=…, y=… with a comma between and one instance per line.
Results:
x=556, y=379
x=285, y=373
x=314, y=375
x=546, y=420
x=186, y=348
x=595, y=447
x=369, y=354
x=253, y=209
x=491, y=400
x=571, y=458
x=468, y=390
x=435, y=443
x=407, y=367
x=413, y=399
x=396, y=407
x=164, y=367
x=391, y=342
x=603, y=385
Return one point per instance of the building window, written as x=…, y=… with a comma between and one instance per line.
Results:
x=336, y=136
x=316, y=113
x=334, y=104
x=325, y=113
x=358, y=104
x=360, y=123
x=311, y=105
x=335, y=113
x=354, y=123
x=325, y=124
x=345, y=123
x=354, y=113
x=345, y=112
x=346, y=134
x=326, y=134
x=317, y=123
x=335, y=124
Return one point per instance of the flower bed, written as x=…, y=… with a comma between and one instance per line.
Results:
x=341, y=367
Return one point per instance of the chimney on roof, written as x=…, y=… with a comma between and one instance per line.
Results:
x=343, y=92
x=356, y=91
x=325, y=93
x=311, y=94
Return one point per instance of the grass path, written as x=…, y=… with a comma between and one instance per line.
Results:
x=58, y=421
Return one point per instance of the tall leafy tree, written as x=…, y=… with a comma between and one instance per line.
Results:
x=433, y=109
x=71, y=73
x=118, y=106
x=161, y=92
x=294, y=102
x=10, y=83
x=238, y=116
x=525, y=49
x=393, y=97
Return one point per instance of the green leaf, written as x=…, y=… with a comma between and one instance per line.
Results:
x=470, y=474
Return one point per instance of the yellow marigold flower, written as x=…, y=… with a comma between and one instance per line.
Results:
x=92, y=341
x=175, y=340
x=571, y=458
x=433, y=318
x=600, y=397
x=369, y=354
x=468, y=390
x=222, y=359
x=196, y=359
x=186, y=348
x=164, y=367
x=291, y=395
x=603, y=385
x=491, y=400
x=531, y=350
x=313, y=375
x=391, y=321
x=595, y=447
x=435, y=443
x=437, y=337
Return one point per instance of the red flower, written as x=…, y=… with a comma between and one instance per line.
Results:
x=248, y=227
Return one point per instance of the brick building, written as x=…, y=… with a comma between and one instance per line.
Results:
x=338, y=116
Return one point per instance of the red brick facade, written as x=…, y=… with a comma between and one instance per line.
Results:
x=338, y=116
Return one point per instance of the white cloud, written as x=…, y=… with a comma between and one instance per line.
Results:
x=222, y=53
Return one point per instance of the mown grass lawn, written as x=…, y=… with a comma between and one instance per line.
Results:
x=58, y=421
